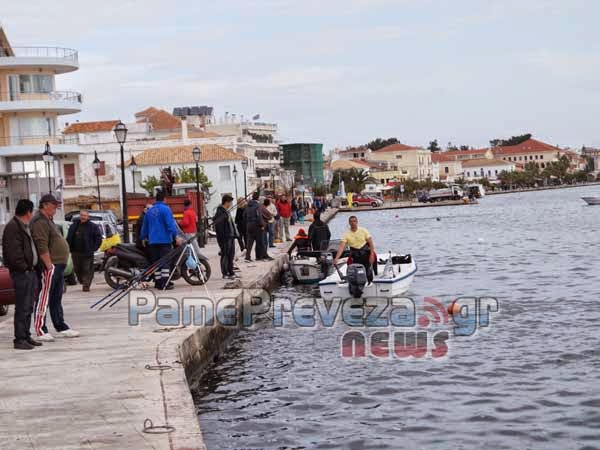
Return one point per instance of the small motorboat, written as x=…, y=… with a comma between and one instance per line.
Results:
x=394, y=276
x=591, y=200
x=310, y=267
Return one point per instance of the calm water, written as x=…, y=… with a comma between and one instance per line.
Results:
x=529, y=381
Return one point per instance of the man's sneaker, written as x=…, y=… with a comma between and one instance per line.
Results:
x=86, y=289
x=228, y=277
x=23, y=345
x=34, y=343
x=46, y=337
x=248, y=260
x=68, y=333
x=267, y=258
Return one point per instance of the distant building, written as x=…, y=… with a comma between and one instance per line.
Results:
x=530, y=150
x=306, y=160
x=30, y=105
x=404, y=161
x=485, y=168
x=593, y=153
x=446, y=166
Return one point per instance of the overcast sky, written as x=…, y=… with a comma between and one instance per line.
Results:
x=341, y=72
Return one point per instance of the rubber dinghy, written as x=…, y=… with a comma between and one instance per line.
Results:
x=394, y=276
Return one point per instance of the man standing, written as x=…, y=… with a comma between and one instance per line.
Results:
x=20, y=256
x=160, y=230
x=240, y=222
x=254, y=229
x=226, y=236
x=319, y=233
x=362, y=248
x=84, y=238
x=271, y=209
x=53, y=251
x=284, y=208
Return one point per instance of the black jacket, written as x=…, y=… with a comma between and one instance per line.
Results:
x=224, y=226
x=16, y=247
x=239, y=221
x=319, y=235
x=253, y=215
x=92, y=238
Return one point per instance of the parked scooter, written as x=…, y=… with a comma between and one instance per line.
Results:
x=125, y=261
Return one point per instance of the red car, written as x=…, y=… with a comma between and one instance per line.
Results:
x=364, y=200
x=7, y=292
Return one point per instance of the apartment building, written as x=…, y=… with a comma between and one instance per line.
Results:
x=30, y=104
x=404, y=161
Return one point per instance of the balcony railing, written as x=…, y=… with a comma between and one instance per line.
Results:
x=60, y=96
x=67, y=54
x=38, y=140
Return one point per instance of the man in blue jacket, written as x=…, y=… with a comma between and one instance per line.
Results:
x=160, y=230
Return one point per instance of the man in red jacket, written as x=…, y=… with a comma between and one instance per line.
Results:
x=284, y=208
x=189, y=223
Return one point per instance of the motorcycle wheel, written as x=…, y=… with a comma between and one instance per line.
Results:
x=114, y=281
x=193, y=277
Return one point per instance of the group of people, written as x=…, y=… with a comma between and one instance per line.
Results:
x=36, y=254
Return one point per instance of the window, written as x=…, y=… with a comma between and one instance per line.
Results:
x=35, y=83
x=468, y=174
x=520, y=158
x=398, y=156
x=489, y=173
x=496, y=172
x=446, y=170
x=224, y=173
x=509, y=158
x=542, y=157
x=102, y=169
x=536, y=156
x=530, y=157
x=69, y=171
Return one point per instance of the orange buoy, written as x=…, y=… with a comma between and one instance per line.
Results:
x=454, y=308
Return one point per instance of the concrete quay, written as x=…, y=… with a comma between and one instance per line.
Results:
x=97, y=391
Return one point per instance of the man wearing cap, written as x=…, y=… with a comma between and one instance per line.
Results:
x=20, y=256
x=53, y=251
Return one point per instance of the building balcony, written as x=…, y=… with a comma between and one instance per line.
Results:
x=60, y=60
x=61, y=102
x=39, y=140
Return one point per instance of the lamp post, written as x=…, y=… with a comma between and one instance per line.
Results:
x=121, y=135
x=273, y=172
x=96, y=164
x=235, y=172
x=133, y=167
x=197, y=153
x=244, y=167
x=303, y=188
x=48, y=158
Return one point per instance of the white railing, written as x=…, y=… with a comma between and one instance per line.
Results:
x=67, y=54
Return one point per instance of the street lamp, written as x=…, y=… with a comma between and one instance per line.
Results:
x=48, y=158
x=244, y=167
x=273, y=173
x=235, y=172
x=121, y=135
x=133, y=167
x=197, y=154
x=303, y=188
x=96, y=164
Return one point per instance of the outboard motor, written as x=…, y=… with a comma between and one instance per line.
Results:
x=356, y=276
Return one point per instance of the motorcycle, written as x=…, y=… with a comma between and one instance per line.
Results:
x=125, y=261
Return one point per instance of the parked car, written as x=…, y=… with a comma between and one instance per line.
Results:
x=102, y=215
x=365, y=200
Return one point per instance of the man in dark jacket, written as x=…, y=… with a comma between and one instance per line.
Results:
x=226, y=236
x=240, y=223
x=20, y=256
x=255, y=226
x=84, y=238
x=319, y=233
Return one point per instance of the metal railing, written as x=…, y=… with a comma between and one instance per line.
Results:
x=38, y=140
x=67, y=54
x=61, y=96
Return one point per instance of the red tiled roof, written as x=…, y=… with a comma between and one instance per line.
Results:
x=482, y=162
x=182, y=154
x=528, y=146
x=397, y=148
x=91, y=127
x=159, y=119
x=441, y=156
x=473, y=151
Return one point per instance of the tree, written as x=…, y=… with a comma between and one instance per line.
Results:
x=464, y=147
x=354, y=180
x=450, y=147
x=188, y=175
x=434, y=146
x=378, y=143
x=513, y=140
x=149, y=183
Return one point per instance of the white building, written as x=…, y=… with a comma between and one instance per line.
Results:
x=484, y=167
x=216, y=162
x=30, y=105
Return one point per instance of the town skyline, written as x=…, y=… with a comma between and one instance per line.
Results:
x=463, y=74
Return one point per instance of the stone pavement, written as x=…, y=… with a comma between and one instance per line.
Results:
x=95, y=392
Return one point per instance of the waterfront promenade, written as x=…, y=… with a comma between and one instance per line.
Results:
x=95, y=392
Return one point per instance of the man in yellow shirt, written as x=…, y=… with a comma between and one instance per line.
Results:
x=362, y=248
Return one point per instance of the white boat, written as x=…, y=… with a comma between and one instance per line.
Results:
x=394, y=276
x=307, y=268
x=591, y=200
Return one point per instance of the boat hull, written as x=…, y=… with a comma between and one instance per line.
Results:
x=334, y=287
x=591, y=200
x=306, y=271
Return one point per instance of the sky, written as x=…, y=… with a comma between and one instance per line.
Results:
x=340, y=72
